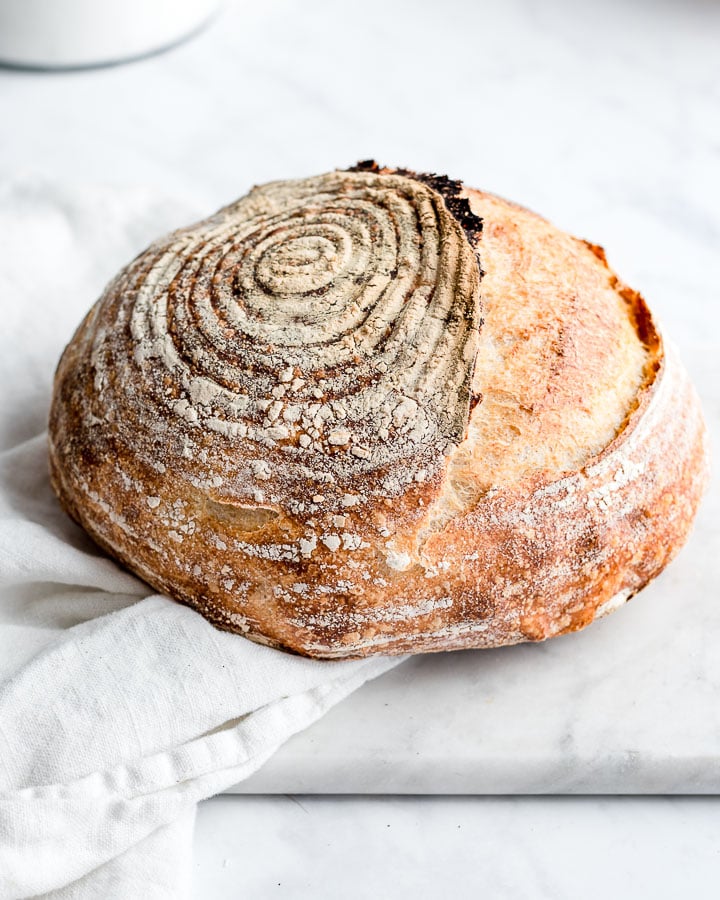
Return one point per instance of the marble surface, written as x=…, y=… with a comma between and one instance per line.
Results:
x=420, y=848
x=606, y=118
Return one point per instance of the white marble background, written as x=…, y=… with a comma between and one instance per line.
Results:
x=605, y=117
x=512, y=848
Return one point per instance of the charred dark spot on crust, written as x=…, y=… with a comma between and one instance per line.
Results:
x=638, y=308
x=449, y=189
x=458, y=206
x=365, y=165
x=642, y=316
x=597, y=250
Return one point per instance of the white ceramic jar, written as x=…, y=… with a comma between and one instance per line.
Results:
x=69, y=33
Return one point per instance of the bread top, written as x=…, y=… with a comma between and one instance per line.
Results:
x=290, y=414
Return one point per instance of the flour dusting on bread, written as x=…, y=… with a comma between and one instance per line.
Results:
x=293, y=417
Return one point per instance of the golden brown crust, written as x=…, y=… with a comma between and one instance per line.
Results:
x=577, y=479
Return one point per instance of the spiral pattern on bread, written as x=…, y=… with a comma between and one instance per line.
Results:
x=331, y=323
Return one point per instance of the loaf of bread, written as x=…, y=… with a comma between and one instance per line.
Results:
x=377, y=412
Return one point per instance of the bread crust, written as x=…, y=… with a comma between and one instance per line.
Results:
x=539, y=541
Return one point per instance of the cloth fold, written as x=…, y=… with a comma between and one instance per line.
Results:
x=119, y=708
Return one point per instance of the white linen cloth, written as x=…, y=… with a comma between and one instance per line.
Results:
x=119, y=708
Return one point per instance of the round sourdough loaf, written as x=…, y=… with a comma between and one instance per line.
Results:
x=378, y=412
